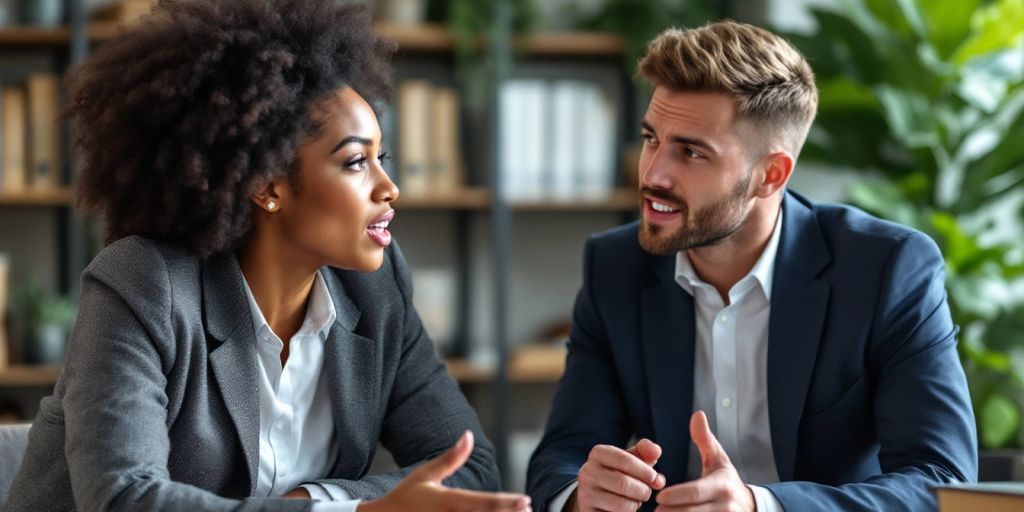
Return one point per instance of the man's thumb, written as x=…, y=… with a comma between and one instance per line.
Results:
x=449, y=461
x=712, y=455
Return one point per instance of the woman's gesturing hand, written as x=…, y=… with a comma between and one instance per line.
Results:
x=422, y=489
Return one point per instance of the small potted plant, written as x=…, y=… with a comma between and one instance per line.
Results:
x=45, y=320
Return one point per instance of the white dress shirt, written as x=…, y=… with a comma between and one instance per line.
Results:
x=297, y=441
x=730, y=382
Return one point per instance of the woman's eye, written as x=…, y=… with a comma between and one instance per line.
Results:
x=358, y=164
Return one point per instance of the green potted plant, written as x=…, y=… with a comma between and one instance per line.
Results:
x=44, y=319
x=927, y=98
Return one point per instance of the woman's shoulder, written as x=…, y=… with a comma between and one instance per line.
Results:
x=143, y=262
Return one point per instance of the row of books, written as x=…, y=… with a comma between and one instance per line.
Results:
x=558, y=140
x=30, y=141
x=429, y=153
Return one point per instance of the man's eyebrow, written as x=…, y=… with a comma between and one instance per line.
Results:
x=350, y=139
x=678, y=139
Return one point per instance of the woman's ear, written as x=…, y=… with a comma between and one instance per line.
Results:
x=268, y=197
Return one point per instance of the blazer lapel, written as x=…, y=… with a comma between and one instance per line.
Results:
x=799, y=301
x=668, y=331
x=352, y=370
x=233, y=361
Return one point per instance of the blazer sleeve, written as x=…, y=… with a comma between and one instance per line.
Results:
x=114, y=402
x=426, y=412
x=577, y=421
x=922, y=410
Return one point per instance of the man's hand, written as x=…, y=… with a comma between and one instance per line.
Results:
x=719, y=486
x=298, y=494
x=614, y=479
x=422, y=489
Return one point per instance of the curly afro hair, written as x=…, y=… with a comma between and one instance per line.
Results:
x=184, y=115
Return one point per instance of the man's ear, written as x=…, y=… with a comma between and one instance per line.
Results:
x=776, y=168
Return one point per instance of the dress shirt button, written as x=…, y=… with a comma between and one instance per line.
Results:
x=724, y=318
x=726, y=403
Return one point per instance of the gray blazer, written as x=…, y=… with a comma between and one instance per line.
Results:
x=157, y=407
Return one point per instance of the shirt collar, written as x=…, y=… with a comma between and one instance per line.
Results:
x=320, y=312
x=763, y=270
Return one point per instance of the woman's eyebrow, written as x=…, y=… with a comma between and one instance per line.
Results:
x=350, y=139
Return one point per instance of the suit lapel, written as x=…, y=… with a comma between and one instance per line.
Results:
x=352, y=370
x=233, y=361
x=668, y=331
x=799, y=302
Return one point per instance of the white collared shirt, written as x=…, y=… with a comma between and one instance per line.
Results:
x=297, y=441
x=730, y=382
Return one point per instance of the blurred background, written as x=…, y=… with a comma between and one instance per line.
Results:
x=514, y=126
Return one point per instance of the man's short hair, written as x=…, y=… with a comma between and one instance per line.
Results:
x=771, y=82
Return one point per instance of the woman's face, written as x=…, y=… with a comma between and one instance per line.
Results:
x=336, y=208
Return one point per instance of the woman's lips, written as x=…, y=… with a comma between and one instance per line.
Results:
x=378, y=231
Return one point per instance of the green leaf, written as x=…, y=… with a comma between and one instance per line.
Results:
x=998, y=422
x=909, y=115
x=1006, y=332
x=995, y=27
x=948, y=23
x=884, y=199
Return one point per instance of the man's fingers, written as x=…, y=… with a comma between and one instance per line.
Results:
x=712, y=455
x=449, y=461
x=620, y=460
x=617, y=483
x=696, y=492
x=599, y=499
x=461, y=499
x=647, y=451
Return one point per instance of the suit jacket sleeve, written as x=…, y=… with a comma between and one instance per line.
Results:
x=577, y=421
x=115, y=406
x=922, y=411
x=426, y=412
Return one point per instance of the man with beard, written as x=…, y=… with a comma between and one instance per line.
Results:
x=767, y=351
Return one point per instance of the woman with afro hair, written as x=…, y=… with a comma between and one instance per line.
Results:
x=247, y=335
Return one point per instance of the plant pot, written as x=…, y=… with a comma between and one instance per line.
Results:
x=1001, y=465
x=47, y=345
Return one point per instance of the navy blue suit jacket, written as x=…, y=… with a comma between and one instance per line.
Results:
x=868, y=404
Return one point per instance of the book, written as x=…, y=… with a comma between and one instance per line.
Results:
x=14, y=121
x=5, y=353
x=597, y=156
x=566, y=136
x=414, y=166
x=523, y=138
x=447, y=167
x=44, y=131
x=987, y=497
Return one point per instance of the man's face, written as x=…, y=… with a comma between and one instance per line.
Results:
x=694, y=173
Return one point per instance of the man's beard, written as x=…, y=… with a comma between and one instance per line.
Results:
x=712, y=224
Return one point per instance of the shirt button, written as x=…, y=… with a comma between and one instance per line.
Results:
x=726, y=403
x=724, y=318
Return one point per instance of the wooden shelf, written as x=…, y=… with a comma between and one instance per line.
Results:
x=469, y=198
x=16, y=36
x=621, y=199
x=29, y=376
x=529, y=364
x=572, y=44
x=54, y=197
x=428, y=38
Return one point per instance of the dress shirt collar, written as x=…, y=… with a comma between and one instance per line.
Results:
x=762, y=272
x=320, y=312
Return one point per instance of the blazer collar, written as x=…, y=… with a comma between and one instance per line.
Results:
x=233, y=351
x=799, y=303
x=668, y=330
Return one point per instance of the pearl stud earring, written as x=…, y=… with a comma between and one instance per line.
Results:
x=271, y=206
